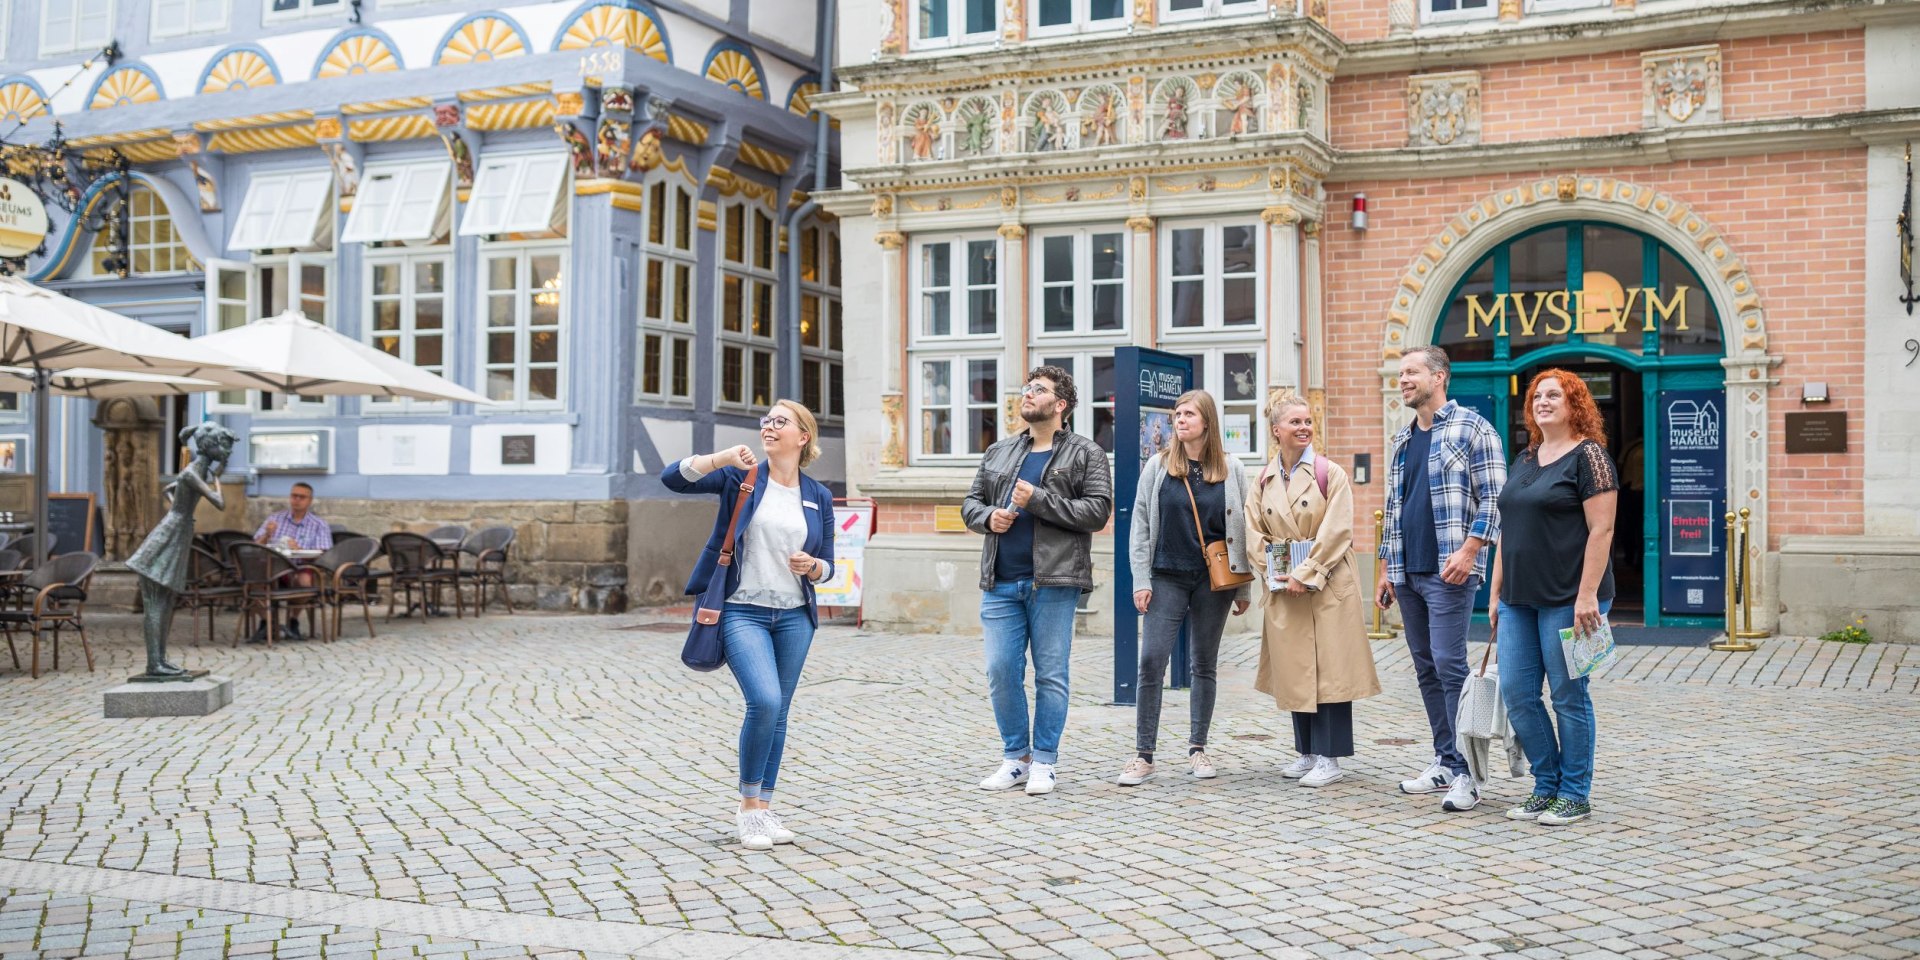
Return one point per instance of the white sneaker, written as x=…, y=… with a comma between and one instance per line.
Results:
x=1325, y=770
x=1202, y=767
x=1299, y=768
x=1464, y=795
x=751, y=828
x=1137, y=772
x=1012, y=773
x=775, y=828
x=1040, y=779
x=1435, y=778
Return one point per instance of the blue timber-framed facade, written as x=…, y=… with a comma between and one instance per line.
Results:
x=617, y=333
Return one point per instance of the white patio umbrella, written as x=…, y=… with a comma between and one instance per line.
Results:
x=45, y=331
x=291, y=354
x=95, y=384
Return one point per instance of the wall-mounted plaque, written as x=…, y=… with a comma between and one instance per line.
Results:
x=1822, y=432
x=516, y=449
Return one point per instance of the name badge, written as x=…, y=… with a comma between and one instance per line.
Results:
x=809, y=504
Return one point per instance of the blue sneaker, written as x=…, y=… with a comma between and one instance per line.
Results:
x=1564, y=811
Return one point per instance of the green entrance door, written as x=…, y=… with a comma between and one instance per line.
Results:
x=1627, y=315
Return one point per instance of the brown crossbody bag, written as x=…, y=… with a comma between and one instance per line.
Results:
x=1219, y=570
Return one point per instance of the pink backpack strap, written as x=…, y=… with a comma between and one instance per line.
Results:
x=1320, y=474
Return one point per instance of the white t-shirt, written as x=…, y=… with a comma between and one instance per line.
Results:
x=777, y=528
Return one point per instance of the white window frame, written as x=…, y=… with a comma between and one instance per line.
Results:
x=668, y=202
x=176, y=249
x=1429, y=16
x=960, y=406
x=1082, y=282
x=1079, y=363
x=238, y=309
x=956, y=26
x=1210, y=9
x=402, y=201
x=408, y=261
x=296, y=217
x=1214, y=305
x=523, y=253
x=1556, y=6
x=305, y=10
x=823, y=289
x=74, y=36
x=263, y=403
x=758, y=227
x=1081, y=22
x=511, y=181
x=196, y=16
x=1209, y=374
x=6, y=23
x=958, y=290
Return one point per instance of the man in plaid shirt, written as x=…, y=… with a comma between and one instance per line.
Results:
x=307, y=531
x=1443, y=516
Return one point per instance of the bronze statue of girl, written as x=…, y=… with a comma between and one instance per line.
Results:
x=163, y=560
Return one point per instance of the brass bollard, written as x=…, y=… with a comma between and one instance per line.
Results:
x=1380, y=631
x=1748, y=556
x=1732, y=642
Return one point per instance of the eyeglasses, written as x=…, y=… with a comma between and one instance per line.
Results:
x=774, y=423
x=1034, y=390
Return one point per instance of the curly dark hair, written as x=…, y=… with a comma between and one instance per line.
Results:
x=1583, y=415
x=1062, y=386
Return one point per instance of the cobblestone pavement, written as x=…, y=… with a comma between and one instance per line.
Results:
x=557, y=785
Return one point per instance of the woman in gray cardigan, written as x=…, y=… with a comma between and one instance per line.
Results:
x=1193, y=475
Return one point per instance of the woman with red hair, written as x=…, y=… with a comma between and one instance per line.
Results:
x=1553, y=571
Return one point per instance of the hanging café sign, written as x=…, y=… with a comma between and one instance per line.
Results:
x=23, y=219
x=1601, y=306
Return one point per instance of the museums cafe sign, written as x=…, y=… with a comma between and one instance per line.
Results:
x=23, y=219
x=1602, y=306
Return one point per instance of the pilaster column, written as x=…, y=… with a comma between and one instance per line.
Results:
x=1314, y=328
x=1146, y=301
x=892, y=333
x=1283, y=296
x=1402, y=16
x=1749, y=378
x=1013, y=322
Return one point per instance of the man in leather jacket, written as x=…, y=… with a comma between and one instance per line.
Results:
x=1039, y=497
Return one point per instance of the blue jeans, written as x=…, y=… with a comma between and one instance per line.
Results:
x=1019, y=618
x=765, y=650
x=1436, y=614
x=1529, y=654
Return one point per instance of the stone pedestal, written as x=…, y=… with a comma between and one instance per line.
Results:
x=186, y=698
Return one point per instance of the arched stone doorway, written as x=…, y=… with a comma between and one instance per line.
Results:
x=1611, y=214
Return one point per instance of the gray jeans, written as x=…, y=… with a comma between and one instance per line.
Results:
x=1176, y=598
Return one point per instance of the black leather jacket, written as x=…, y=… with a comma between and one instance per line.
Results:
x=1073, y=500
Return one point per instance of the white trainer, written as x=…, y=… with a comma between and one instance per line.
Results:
x=1012, y=773
x=1137, y=772
x=1202, y=767
x=751, y=828
x=1299, y=768
x=1463, y=795
x=775, y=829
x=1325, y=770
x=1435, y=778
x=1040, y=779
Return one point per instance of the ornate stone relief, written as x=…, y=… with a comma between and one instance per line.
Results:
x=1043, y=123
x=976, y=127
x=1103, y=117
x=1681, y=86
x=1173, y=110
x=922, y=132
x=1240, y=96
x=1443, y=109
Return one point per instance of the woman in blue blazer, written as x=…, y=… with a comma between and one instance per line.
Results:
x=784, y=545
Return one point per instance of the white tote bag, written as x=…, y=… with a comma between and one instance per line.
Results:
x=1483, y=715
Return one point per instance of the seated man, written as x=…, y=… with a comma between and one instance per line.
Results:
x=299, y=527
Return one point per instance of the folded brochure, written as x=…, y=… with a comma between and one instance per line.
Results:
x=1588, y=653
x=1282, y=558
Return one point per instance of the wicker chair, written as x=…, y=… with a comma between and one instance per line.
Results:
x=344, y=578
x=30, y=551
x=415, y=563
x=211, y=586
x=59, y=589
x=223, y=541
x=267, y=586
x=483, y=560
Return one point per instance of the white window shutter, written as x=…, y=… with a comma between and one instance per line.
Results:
x=422, y=197
x=170, y=17
x=208, y=15
x=492, y=196
x=539, y=192
x=56, y=25
x=372, y=206
x=265, y=194
x=96, y=23
x=305, y=207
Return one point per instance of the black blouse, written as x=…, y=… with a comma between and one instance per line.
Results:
x=1179, y=550
x=1543, y=525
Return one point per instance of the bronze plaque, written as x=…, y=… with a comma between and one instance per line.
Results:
x=1823, y=432
x=517, y=449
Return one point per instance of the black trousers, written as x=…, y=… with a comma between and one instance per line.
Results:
x=1327, y=732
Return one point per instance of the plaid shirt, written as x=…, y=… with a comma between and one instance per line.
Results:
x=1466, y=467
x=309, y=534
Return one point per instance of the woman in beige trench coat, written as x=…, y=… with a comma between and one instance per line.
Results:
x=1314, y=656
